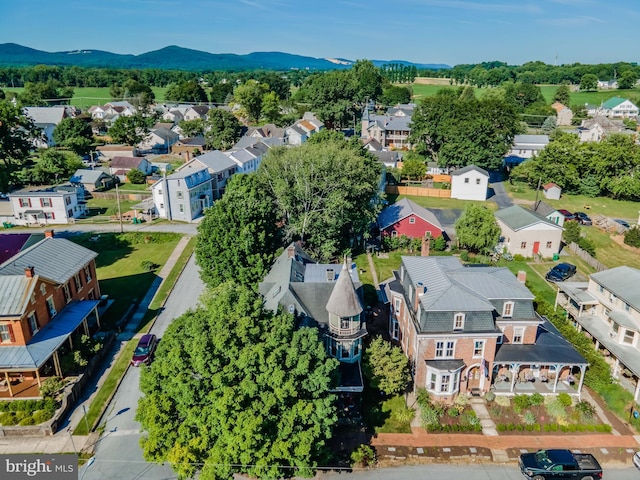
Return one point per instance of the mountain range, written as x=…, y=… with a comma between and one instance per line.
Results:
x=178, y=58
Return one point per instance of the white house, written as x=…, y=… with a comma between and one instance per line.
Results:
x=525, y=146
x=617, y=107
x=552, y=191
x=48, y=206
x=528, y=233
x=183, y=195
x=47, y=119
x=469, y=183
x=220, y=167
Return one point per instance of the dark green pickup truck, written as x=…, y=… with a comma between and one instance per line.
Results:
x=559, y=463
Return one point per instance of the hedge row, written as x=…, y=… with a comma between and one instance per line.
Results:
x=552, y=427
x=434, y=428
x=29, y=406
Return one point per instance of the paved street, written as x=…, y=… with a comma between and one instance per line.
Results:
x=62, y=230
x=118, y=454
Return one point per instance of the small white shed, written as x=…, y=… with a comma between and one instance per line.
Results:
x=552, y=191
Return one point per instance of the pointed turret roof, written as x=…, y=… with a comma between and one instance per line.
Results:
x=344, y=300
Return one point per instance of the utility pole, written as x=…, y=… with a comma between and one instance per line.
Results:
x=119, y=211
x=535, y=204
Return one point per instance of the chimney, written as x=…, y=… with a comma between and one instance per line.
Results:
x=187, y=155
x=48, y=233
x=522, y=276
x=29, y=272
x=291, y=251
x=426, y=245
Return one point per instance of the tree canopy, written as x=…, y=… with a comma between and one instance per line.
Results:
x=457, y=129
x=237, y=389
x=133, y=91
x=16, y=134
x=325, y=192
x=186, y=91
x=50, y=167
x=386, y=366
x=238, y=237
x=130, y=130
x=250, y=96
x=75, y=134
x=477, y=229
x=589, y=82
x=221, y=129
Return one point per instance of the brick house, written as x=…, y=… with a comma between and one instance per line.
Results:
x=408, y=218
x=48, y=291
x=471, y=329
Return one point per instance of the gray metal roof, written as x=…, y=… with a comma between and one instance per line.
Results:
x=517, y=218
x=344, y=301
x=56, y=259
x=46, y=115
x=40, y=348
x=470, y=168
x=15, y=292
x=623, y=282
x=85, y=175
x=402, y=209
x=215, y=161
x=578, y=292
x=539, y=140
x=543, y=209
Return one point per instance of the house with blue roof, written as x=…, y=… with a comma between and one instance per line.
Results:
x=48, y=292
x=471, y=329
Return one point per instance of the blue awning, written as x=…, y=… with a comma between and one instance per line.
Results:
x=40, y=348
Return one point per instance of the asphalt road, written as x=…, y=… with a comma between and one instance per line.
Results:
x=118, y=454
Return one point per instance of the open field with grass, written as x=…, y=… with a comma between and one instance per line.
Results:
x=437, y=202
x=84, y=97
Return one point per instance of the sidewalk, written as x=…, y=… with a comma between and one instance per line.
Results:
x=63, y=441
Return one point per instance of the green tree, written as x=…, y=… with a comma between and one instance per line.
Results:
x=523, y=95
x=192, y=128
x=130, y=130
x=187, y=91
x=627, y=79
x=133, y=91
x=549, y=125
x=237, y=389
x=325, y=193
x=16, y=134
x=413, y=166
x=75, y=134
x=332, y=96
x=588, y=82
x=220, y=93
x=571, y=232
x=221, y=129
x=239, y=236
x=386, y=366
x=477, y=229
x=45, y=93
x=250, y=96
x=271, y=111
x=368, y=81
x=562, y=95
x=395, y=94
x=135, y=176
x=51, y=167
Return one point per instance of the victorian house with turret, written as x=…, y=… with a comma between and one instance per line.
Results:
x=324, y=296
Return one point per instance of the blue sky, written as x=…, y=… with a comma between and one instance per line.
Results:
x=422, y=31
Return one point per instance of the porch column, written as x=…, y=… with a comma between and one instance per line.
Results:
x=70, y=343
x=95, y=311
x=515, y=367
x=85, y=324
x=56, y=364
x=597, y=344
x=616, y=366
x=580, y=310
x=8, y=380
x=555, y=381
x=583, y=368
x=38, y=378
x=637, y=390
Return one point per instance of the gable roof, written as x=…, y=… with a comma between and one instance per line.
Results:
x=15, y=292
x=46, y=115
x=613, y=102
x=215, y=161
x=402, y=209
x=56, y=259
x=549, y=185
x=470, y=168
x=558, y=107
x=543, y=208
x=623, y=282
x=85, y=175
x=13, y=243
x=517, y=218
x=126, y=162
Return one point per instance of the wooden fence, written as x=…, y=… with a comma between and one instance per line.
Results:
x=124, y=195
x=418, y=191
x=584, y=255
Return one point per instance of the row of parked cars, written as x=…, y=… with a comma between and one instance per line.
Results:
x=579, y=217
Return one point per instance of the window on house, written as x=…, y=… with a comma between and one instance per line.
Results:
x=51, y=307
x=24, y=202
x=518, y=334
x=600, y=289
x=87, y=274
x=397, y=304
x=159, y=191
x=628, y=336
x=70, y=213
x=344, y=323
x=77, y=282
x=6, y=333
x=549, y=244
x=478, y=348
x=33, y=323
x=466, y=180
x=395, y=329
x=477, y=181
x=458, y=321
x=500, y=339
x=43, y=289
x=412, y=220
x=67, y=292
x=179, y=194
x=523, y=245
x=45, y=202
x=448, y=352
x=67, y=200
x=445, y=382
x=507, y=309
x=433, y=382
x=346, y=351
x=181, y=207
x=50, y=215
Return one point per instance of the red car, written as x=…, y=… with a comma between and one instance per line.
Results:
x=568, y=216
x=144, y=351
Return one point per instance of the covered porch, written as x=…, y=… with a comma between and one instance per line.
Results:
x=21, y=366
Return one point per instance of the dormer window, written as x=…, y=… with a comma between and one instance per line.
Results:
x=330, y=274
x=458, y=321
x=507, y=310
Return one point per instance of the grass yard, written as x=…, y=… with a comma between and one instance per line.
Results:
x=119, y=265
x=438, y=202
x=611, y=253
x=625, y=209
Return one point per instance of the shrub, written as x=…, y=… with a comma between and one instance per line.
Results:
x=464, y=255
x=518, y=258
x=148, y=265
x=28, y=420
x=363, y=456
x=521, y=402
x=469, y=418
x=632, y=236
x=8, y=419
x=587, y=245
x=529, y=417
x=536, y=399
x=503, y=401
x=489, y=396
x=557, y=410
x=136, y=176
x=51, y=386
x=585, y=409
x=430, y=416
x=423, y=398
x=452, y=412
x=564, y=399
x=42, y=416
x=439, y=244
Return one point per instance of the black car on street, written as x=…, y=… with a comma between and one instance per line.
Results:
x=561, y=272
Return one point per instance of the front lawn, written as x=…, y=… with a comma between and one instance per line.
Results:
x=386, y=415
x=439, y=202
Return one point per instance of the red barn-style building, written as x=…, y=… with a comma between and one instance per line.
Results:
x=408, y=218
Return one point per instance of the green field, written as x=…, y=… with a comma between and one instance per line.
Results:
x=84, y=97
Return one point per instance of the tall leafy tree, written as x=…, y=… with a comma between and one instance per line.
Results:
x=588, y=82
x=332, y=96
x=237, y=389
x=627, y=79
x=45, y=93
x=75, y=134
x=187, y=91
x=413, y=166
x=386, y=366
x=239, y=236
x=133, y=91
x=130, y=130
x=250, y=96
x=16, y=134
x=51, y=167
x=325, y=192
x=192, y=128
x=368, y=81
x=221, y=129
x=477, y=229
x=395, y=94
x=523, y=95
x=271, y=110
x=562, y=95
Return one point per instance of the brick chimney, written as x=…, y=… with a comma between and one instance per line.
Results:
x=522, y=276
x=29, y=272
x=291, y=251
x=426, y=245
x=48, y=233
x=187, y=156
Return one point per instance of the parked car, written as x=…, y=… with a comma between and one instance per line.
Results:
x=559, y=463
x=624, y=223
x=4, y=196
x=143, y=353
x=560, y=272
x=583, y=218
x=568, y=216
